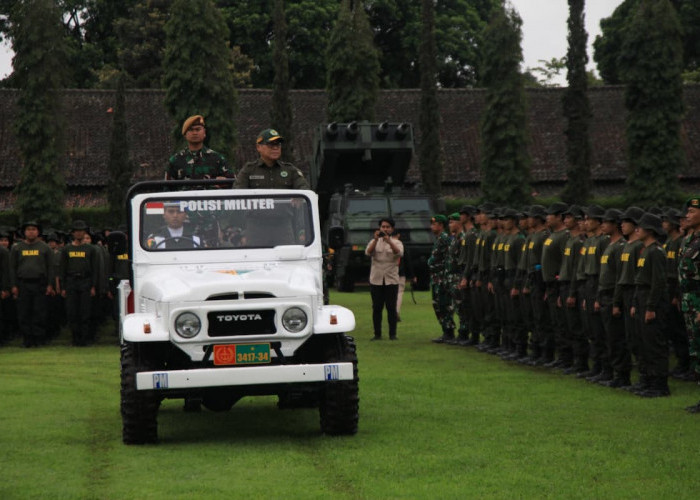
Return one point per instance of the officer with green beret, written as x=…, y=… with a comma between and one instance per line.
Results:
x=439, y=281
x=31, y=281
x=268, y=171
x=689, y=284
x=196, y=161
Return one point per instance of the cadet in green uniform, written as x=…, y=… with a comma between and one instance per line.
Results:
x=552, y=255
x=439, y=286
x=535, y=286
x=624, y=288
x=689, y=284
x=268, y=172
x=650, y=309
x=618, y=353
x=676, y=324
x=594, y=247
x=488, y=236
x=573, y=344
x=78, y=278
x=197, y=161
x=31, y=278
x=496, y=284
x=519, y=283
x=514, y=332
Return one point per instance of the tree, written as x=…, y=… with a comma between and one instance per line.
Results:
x=651, y=64
x=120, y=167
x=430, y=155
x=352, y=81
x=281, y=114
x=142, y=44
x=505, y=176
x=608, y=46
x=577, y=110
x=40, y=69
x=198, y=77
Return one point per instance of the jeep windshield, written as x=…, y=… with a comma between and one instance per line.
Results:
x=187, y=223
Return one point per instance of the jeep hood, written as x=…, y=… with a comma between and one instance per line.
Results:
x=198, y=284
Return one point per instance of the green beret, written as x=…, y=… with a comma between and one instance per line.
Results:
x=439, y=218
x=693, y=202
x=454, y=216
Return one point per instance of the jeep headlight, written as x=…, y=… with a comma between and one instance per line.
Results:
x=294, y=319
x=187, y=325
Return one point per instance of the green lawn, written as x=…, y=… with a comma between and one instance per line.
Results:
x=436, y=421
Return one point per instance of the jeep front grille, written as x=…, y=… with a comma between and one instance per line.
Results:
x=232, y=323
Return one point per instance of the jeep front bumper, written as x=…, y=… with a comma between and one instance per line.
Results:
x=248, y=375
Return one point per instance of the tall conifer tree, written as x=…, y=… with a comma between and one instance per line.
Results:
x=40, y=69
x=430, y=156
x=281, y=114
x=352, y=62
x=651, y=65
x=577, y=110
x=505, y=174
x=120, y=168
x=198, y=74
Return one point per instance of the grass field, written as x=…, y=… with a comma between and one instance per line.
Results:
x=436, y=422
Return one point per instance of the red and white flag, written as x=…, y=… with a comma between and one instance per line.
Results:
x=155, y=208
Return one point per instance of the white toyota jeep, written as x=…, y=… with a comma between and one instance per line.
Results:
x=225, y=300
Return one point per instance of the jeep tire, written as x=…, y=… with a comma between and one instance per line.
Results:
x=139, y=409
x=339, y=401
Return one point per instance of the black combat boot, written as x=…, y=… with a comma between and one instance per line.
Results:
x=619, y=381
x=643, y=384
x=658, y=388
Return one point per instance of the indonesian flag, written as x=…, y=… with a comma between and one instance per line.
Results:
x=155, y=208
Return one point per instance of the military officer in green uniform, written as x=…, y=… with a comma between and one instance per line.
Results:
x=79, y=279
x=689, y=284
x=197, y=161
x=439, y=283
x=4, y=288
x=454, y=276
x=514, y=331
x=268, y=171
x=31, y=279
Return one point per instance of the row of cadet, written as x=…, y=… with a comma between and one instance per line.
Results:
x=49, y=280
x=582, y=289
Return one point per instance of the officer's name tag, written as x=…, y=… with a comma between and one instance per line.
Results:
x=256, y=177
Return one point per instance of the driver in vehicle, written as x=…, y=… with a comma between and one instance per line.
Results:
x=175, y=233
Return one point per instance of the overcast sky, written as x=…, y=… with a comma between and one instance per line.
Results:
x=544, y=30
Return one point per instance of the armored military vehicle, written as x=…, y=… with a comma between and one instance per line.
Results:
x=359, y=172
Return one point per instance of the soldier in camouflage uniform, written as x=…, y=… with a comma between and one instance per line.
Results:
x=454, y=274
x=197, y=161
x=689, y=284
x=466, y=258
x=439, y=282
x=676, y=323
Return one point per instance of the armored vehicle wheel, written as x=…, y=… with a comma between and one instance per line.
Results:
x=139, y=408
x=340, y=401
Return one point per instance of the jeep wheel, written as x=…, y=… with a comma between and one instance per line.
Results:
x=340, y=401
x=139, y=408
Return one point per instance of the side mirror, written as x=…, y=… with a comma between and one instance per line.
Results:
x=336, y=237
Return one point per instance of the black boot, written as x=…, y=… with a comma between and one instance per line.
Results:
x=643, y=384
x=657, y=388
x=693, y=408
x=605, y=375
x=619, y=381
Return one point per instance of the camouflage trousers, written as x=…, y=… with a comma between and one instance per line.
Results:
x=443, y=306
x=690, y=304
x=460, y=303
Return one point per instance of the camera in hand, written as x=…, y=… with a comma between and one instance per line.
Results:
x=382, y=234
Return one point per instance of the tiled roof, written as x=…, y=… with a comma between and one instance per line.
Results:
x=89, y=121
